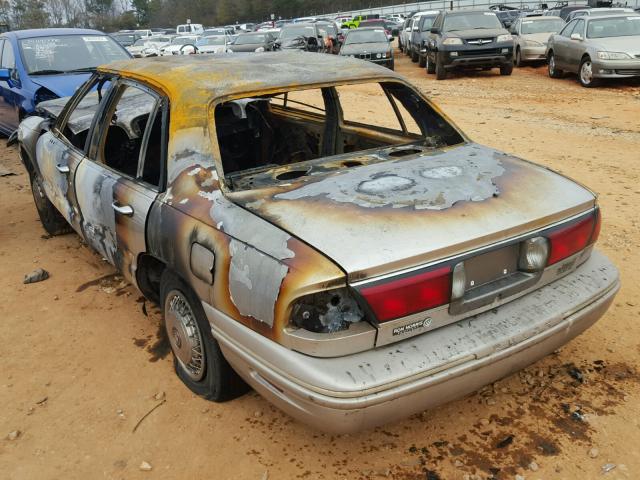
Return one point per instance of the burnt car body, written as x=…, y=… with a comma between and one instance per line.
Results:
x=352, y=273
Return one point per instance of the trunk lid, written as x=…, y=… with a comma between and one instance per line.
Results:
x=386, y=216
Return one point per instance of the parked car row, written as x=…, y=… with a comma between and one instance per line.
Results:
x=596, y=44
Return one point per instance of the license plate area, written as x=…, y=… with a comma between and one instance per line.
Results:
x=490, y=277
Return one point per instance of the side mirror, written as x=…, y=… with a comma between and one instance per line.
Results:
x=435, y=30
x=5, y=74
x=576, y=36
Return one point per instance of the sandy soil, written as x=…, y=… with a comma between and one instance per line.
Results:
x=82, y=363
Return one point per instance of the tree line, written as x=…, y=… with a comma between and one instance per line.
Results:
x=111, y=15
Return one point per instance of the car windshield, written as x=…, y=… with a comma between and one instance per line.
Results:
x=542, y=26
x=210, y=41
x=365, y=36
x=141, y=42
x=427, y=23
x=614, y=27
x=183, y=41
x=248, y=39
x=68, y=53
x=292, y=32
x=471, y=21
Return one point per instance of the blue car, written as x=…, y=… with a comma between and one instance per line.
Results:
x=43, y=64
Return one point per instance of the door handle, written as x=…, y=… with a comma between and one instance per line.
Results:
x=122, y=209
x=62, y=168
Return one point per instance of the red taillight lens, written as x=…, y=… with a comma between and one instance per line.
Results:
x=570, y=240
x=399, y=298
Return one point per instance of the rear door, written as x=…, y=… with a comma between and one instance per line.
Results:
x=123, y=174
x=60, y=150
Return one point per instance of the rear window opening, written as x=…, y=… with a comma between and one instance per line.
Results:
x=322, y=129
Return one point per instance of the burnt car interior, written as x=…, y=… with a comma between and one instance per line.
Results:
x=301, y=129
x=130, y=132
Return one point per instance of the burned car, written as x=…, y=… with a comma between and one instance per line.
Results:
x=352, y=269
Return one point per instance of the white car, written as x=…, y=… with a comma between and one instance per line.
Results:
x=213, y=44
x=149, y=47
x=181, y=45
x=190, y=28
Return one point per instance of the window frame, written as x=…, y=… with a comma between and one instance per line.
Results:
x=161, y=107
x=58, y=127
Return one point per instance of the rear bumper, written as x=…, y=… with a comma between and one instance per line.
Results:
x=359, y=391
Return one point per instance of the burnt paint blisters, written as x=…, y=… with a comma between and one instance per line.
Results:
x=423, y=183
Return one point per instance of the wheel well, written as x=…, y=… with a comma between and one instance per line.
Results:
x=148, y=274
x=586, y=55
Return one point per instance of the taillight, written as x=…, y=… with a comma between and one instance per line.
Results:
x=399, y=298
x=570, y=240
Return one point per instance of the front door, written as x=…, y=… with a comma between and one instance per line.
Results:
x=117, y=184
x=9, y=89
x=60, y=150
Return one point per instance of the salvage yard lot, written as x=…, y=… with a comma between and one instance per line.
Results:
x=82, y=362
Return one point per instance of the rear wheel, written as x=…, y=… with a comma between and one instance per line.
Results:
x=554, y=72
x=52, y=221
x=414, y=56
x=197, y=358
x=585, y=74
x=422, y=61
x=440, y=71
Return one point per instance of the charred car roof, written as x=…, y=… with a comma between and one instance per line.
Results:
x=231, y=75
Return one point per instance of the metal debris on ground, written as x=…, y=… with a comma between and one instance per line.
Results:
x=164, y=400
x=37, y=275
x=607, y=467
x=145, y=466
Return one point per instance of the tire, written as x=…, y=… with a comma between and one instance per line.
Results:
x=207, y=373
x=440, y=71
x=52, y=220
x=430, y=66
x=551, y=67
x=422, y=61
x=518, y=61
x=585, y=74
x=506, y=69
x=391, y=65
x=414, y=56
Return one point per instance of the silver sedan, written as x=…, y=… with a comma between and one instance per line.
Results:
x=530, y=37
x=596, y=47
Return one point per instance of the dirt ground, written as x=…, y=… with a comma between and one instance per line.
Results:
x=81, y=362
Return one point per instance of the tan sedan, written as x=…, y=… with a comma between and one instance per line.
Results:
x=530, y=37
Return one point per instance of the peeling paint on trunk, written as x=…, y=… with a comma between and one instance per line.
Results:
x=408, y=184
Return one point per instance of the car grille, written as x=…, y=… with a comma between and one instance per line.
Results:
x=479, y=52
x=479, y=41
x=364, y=56
x=628, y=72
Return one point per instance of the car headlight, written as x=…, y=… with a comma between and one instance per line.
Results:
x=613, y=56
x=533, y=43
x=504, y=38
x=378, y=55
x=452, y=41
x=326, y=312
x=259, y=49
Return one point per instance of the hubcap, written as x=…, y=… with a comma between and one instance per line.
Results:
x=586, y=74
x=184, y=335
